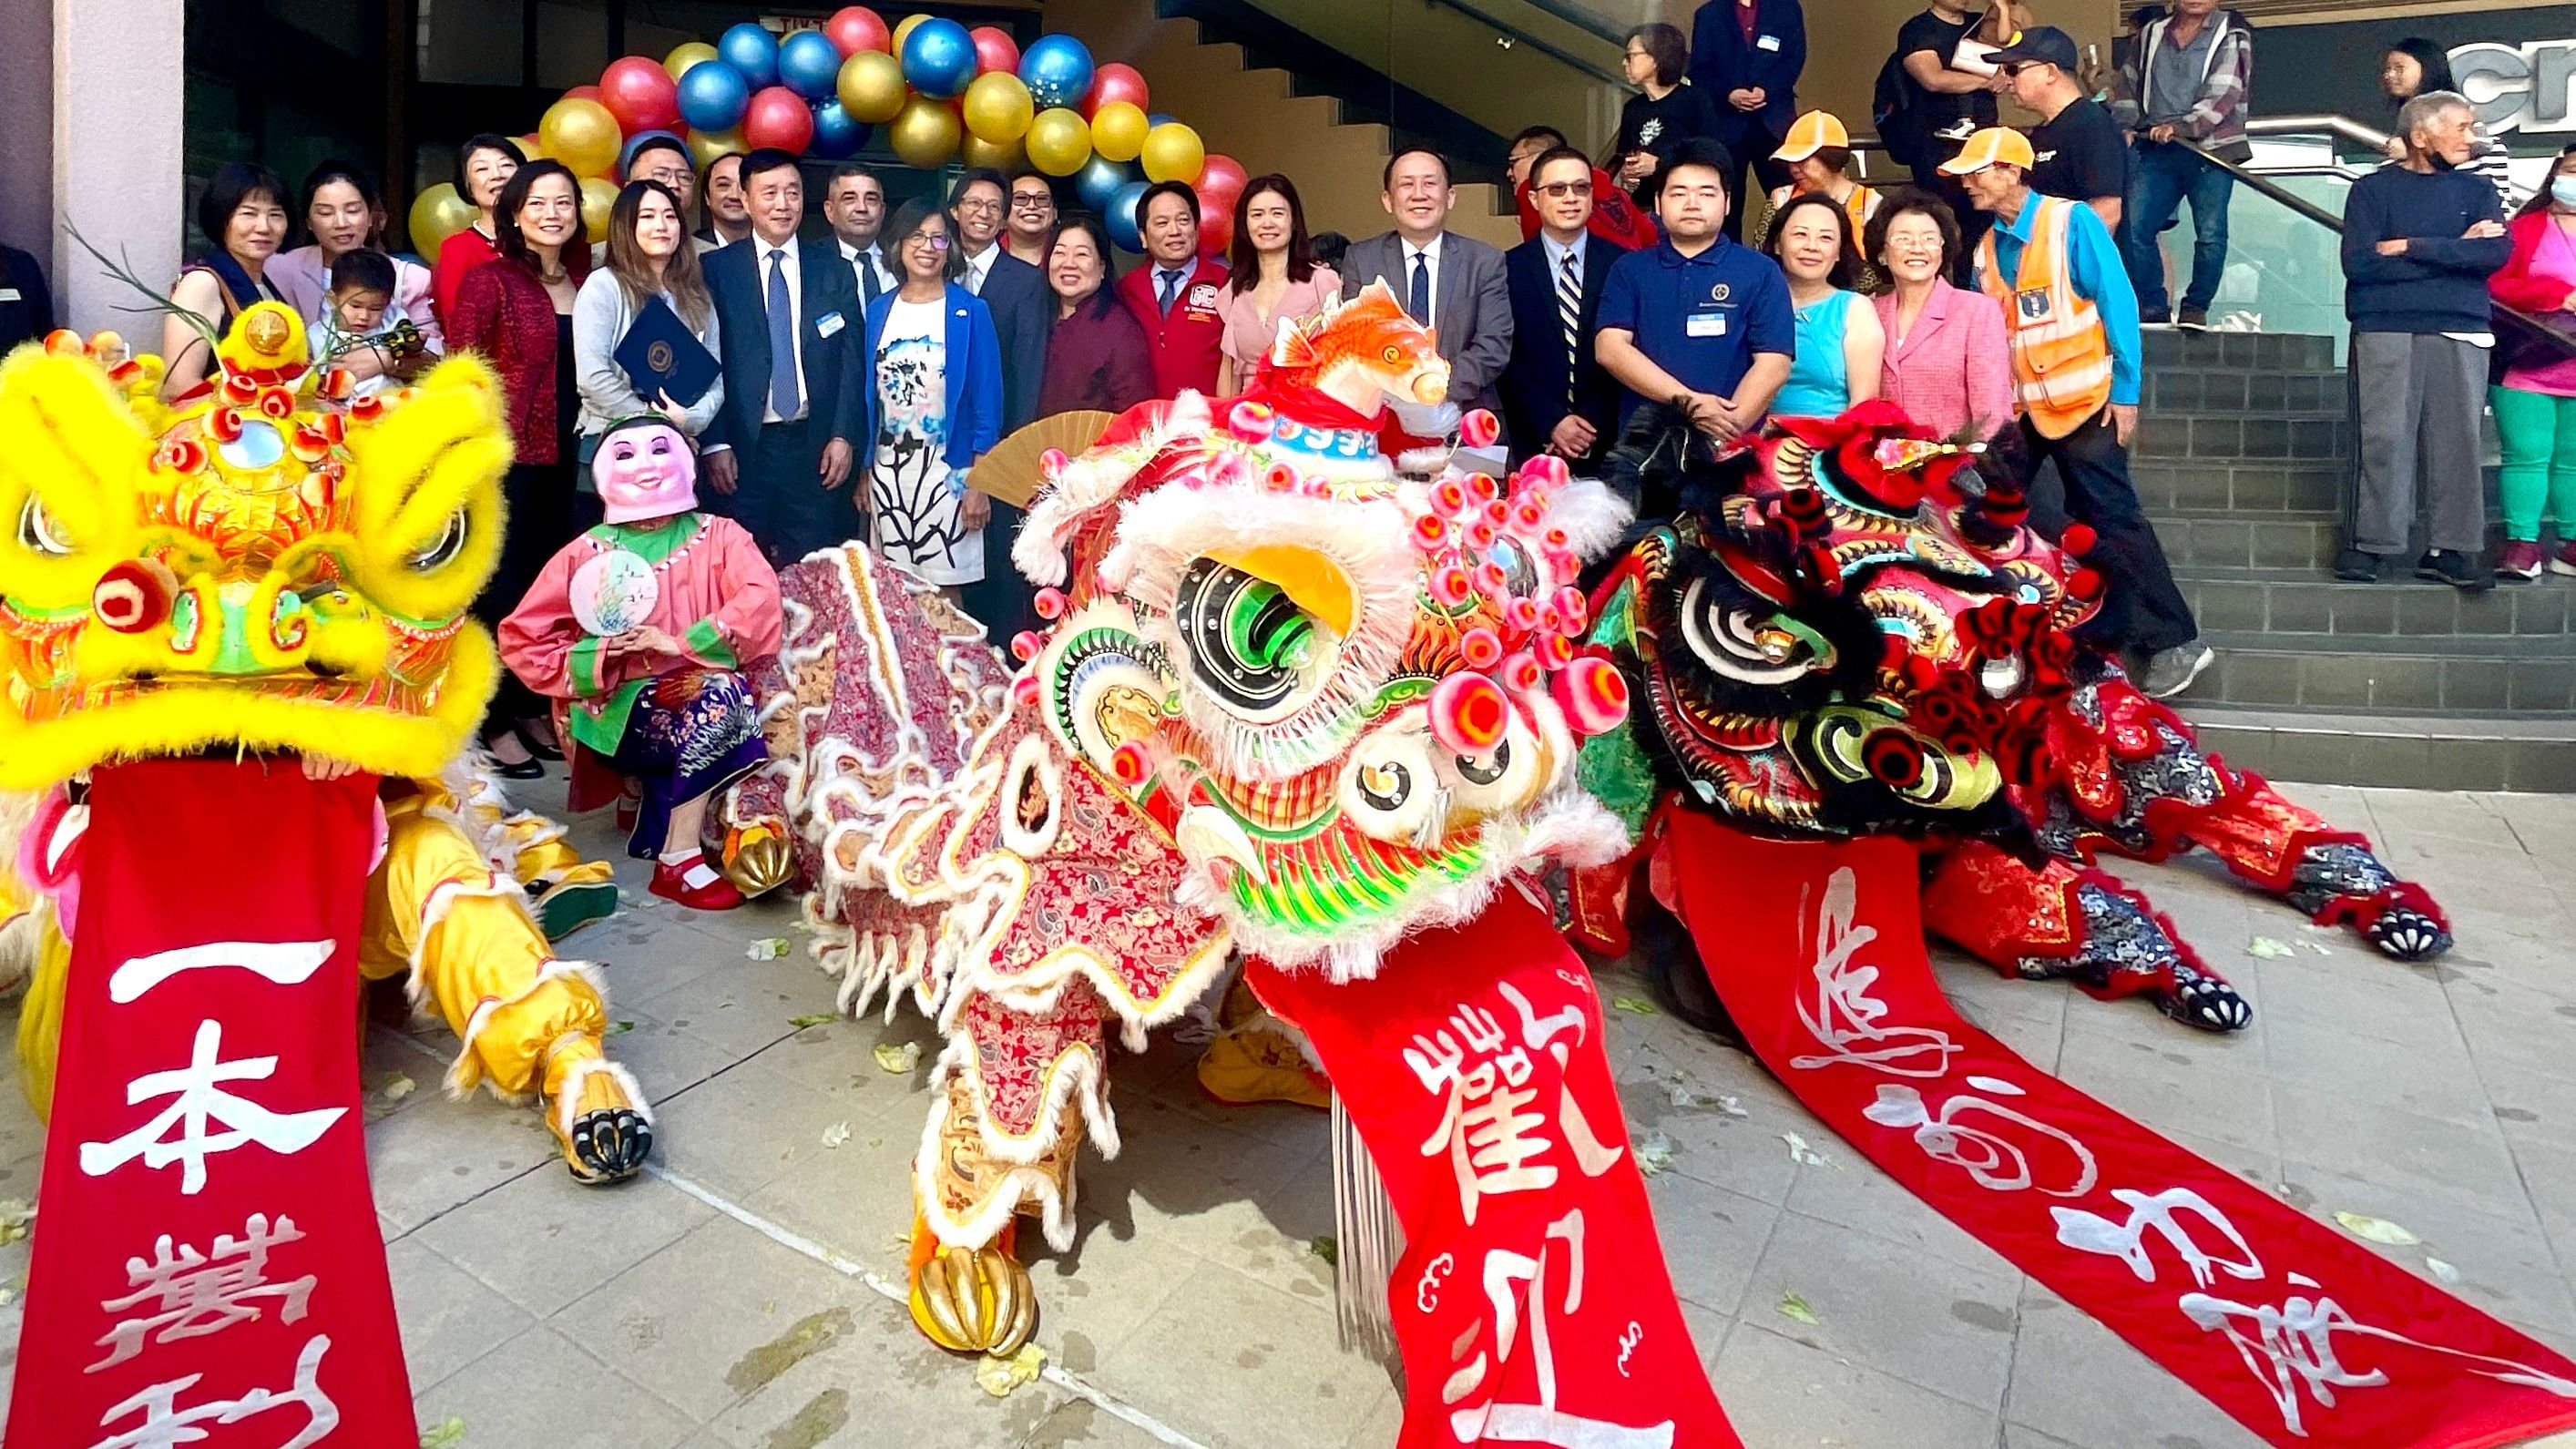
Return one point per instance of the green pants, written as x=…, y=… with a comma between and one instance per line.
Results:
x=2539, y=436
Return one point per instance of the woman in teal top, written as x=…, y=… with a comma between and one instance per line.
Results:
x=1840, y=341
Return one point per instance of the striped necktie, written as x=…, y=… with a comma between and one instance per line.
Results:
x=1569, y=308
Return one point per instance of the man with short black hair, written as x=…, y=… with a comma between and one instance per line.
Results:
x=728, y=219
x=666, y=159
x=1033, y=218
x=1616, y=217
x=779, y=451
x=2077, y=150
x=1449, y=283
x=854, y=203
x=1556, y=397
x=1013, y=291
x=1746, y=56
x=1175, y=294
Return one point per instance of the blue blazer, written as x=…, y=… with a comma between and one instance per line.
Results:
x=1722, y=62
x=828, y=290
x=1023, y=309
x=1535, y=382
x=972, y=371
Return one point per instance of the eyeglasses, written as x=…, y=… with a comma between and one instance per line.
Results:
x=980, y=203
x=1641, y=55
x=2011, y=71
x=1032, y=201
x=935, y=243
x=1563, y=189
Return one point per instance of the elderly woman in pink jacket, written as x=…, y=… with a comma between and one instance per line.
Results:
x=1947, y=363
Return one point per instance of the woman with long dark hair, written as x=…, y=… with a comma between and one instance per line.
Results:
x=484, y=165
x=1840, y=343
x=1098, y=356
x=648, y=256
x=517, y=312
x=243, y=216
x=2416, y=66
x=342, y=211
x=1273, y=275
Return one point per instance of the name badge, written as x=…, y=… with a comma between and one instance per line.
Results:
x=2032, y=304
x=828, y=325
x=1768, y=42
x=10, y=294
x=1203, y=297
x=1705, y=324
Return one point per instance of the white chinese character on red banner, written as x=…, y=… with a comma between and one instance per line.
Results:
x=287, y=963
x=1495, y=1145
x=166, y=1425
x=199, y=1098
x=1510, y=1279
x=196, y=1293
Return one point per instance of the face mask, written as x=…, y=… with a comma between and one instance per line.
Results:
x=2562, y=190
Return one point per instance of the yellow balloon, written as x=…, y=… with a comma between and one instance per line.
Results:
x=981, y=155
x=997, y=108
x=925, y=133
x=1059, y=141
x=871, y=87
x=1172, y=153
x=582, y=135
x=437, y=214
x=684, y=56
x=706, y=146
x=903, y=28
x=532, y=148
x=1118, y=131
x=598, y=194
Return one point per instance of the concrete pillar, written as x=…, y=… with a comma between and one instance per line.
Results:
x=118, y=82
x=27, y=127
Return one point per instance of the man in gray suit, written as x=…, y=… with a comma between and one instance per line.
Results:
x=1452, y=284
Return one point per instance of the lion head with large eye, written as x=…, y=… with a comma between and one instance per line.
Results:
x=263, y=564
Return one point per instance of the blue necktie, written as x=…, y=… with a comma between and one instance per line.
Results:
x=1417, y=298
x=783, y=396
x=1171, y=287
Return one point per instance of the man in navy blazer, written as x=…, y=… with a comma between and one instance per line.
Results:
x=1746, y=56
x=780, y=450
x=1015, y=292
x=1557, y=398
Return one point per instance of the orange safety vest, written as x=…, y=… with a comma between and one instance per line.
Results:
x=2061, y=356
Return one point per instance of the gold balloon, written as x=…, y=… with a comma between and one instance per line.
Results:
x=581, y=134
x=1172, y=153
x=437, y=214
x=1118, y=130
x=1059, y=141
x=997, y=108
x=903, y=28
x=706, y=146
x=925, y=132
x=598, y=194
x=981, y=155
x=871, y=87
x=684, y=56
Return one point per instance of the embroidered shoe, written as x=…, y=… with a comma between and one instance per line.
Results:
x=694, y=883
x=2520, y=559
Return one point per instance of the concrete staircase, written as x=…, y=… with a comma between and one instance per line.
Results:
x=2243, y=460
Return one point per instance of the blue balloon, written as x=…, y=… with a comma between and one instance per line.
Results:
x=939, y=59
x=626, y=153
x=837, y=133
x=1160, y=118
x=1057, y=70
x=1123, y=231
x=712, y=95
x=752, y=51
x=809, y=64
x=1100, y=180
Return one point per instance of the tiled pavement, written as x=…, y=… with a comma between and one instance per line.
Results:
x=738, y=1297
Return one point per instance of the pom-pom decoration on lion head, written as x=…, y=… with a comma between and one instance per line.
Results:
x=258, y=567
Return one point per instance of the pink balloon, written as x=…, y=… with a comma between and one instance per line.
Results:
x=640, y=94
x=995, y=50
x=778, y=117
x=854, y=28
x=1116, y=81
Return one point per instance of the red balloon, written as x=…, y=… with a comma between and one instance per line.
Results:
x=778, y=117
x=640, y=94
x=995, y=50
x=1116, y=81
x=1220, y=181
x=582, y=93
x=855, y=28
x=1216, y=232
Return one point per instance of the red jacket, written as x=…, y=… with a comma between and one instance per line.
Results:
x=503, y=312
x=2517, y=286
x=1186, y=344
x=1616, y=217
x=458, y=256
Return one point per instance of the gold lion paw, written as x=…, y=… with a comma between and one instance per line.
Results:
x=757, y=858
x=974, y=1300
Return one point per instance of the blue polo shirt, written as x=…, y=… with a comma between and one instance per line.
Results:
x=1700, y=318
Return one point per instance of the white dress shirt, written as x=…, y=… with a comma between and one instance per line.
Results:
x=872, y=261
x=1430, y=255
x=791, y=268
x=980, y=266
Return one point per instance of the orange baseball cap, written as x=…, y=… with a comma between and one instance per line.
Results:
x=1993, y=146
x=1811, y=133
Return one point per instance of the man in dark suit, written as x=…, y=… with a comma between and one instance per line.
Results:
x=1556, y=397
x=1746, y=56
x=795, y=400
x=1013, y=291
x=1449, y=283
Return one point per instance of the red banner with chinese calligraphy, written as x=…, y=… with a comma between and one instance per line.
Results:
x=1531, y=1304
x=2303, y=1335
x=207, y=1268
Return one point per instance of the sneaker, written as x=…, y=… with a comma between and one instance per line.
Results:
x=2171, y=671
x=2520, y=560
x=2564, y=561
x=2160, y=317
x=2355, y=567
x=694, y=883
x=2459, y=570
x=2193, y=319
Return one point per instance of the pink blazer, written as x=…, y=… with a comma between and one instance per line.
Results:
x=1954, y=366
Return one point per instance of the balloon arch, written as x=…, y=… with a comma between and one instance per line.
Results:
x=941, y=91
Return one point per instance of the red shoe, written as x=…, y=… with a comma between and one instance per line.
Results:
x=2519, y=560
x=2564, y=561
x=694, y=883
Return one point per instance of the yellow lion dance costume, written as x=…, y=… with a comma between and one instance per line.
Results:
x=266, y=568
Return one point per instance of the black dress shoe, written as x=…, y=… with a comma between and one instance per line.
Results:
x=537, y=747
x=2355, y=567
x=523, y=770
x=2461, y=571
